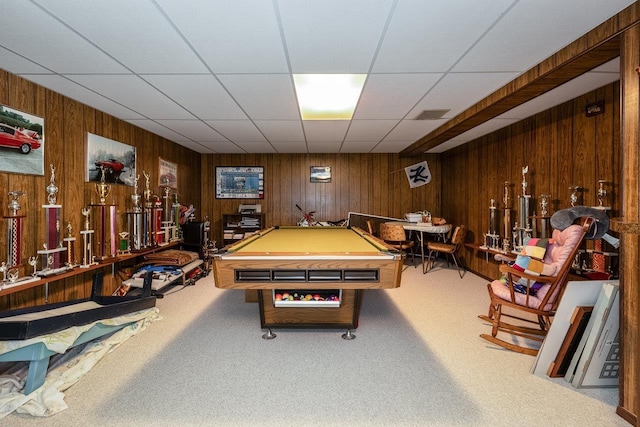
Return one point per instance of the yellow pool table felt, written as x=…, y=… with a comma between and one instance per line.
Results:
x=309, y=240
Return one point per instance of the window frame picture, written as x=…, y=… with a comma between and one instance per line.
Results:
x=320, y=174
x=12, y=160
x=107, y=151
x=239, y=182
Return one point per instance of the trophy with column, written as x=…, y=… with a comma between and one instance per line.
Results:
x=87, y=240
x=522, y=230
x=104, y=221
x=506, y=221
x=492, y=238
x=598, y=259
x=51, y=255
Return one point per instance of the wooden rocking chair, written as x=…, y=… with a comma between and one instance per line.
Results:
x=533, y=293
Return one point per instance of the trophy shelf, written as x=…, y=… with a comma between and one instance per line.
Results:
x=77, y=271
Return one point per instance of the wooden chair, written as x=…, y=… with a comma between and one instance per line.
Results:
x=525, y=294
x=450, y=249
x=395, y=235
x=370, y=227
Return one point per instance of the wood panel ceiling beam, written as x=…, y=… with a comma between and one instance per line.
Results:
x=593, y=49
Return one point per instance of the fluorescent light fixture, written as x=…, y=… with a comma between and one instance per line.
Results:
x=328, y=96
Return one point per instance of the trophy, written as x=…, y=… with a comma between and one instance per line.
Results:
x=135, y=197
x=14, y=229
x=87, y=244
x=573, y=199
x=102, y=188
x=545, y=225
x=148, y=202
x=69, y=243
x=52, y=189
x=602, y=193
x=524, y=230
x=14, y=205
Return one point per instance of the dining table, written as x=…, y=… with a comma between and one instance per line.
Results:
x=440, y=232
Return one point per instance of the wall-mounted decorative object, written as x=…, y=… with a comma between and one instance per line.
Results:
x=168, y=174
x=21, y=142
x=117, y=161
x=239, y=182
x=418, y=174
x=320, y=174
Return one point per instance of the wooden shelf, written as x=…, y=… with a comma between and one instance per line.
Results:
x=233, y=230
x=77, y=270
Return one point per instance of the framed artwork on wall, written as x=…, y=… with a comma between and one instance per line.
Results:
x=239, y=182
x=320, y=174
x=167, y=174
x=21, y=142
x=117, y=161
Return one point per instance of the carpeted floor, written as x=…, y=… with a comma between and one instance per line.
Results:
x=417, y=361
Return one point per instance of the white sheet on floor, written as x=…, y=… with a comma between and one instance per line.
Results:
x=65, y=368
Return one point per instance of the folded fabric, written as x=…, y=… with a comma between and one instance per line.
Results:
x=171, y=257
x=533, y=266
x=536, y=248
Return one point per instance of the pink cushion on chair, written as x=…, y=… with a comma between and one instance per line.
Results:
x=557, y=254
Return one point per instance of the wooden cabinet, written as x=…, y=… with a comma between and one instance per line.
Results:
x=238, y=226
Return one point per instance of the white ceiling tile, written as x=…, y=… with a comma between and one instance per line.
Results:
x=289, y=146
x=231, y=36
x=237, y=130
x=264, y=96
x=413, y=129
x=193, y=129
x=458, y=91
x=134, y=92
x=369, y=130
x=514, y=44
x=223, y=147
x=422, y=37
x=82, y=94
x=200, y=94
x=325, y=130
x=392, y=96
x=17, y=64
x=159, y=130
x=115, y=24
x=391, y=146
x=49, y=43
x=281, y=130
x=256, y=146
x=358, y=146
x=332, y=36
x=331, y=146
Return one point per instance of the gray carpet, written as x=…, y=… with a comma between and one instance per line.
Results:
x=417, y=361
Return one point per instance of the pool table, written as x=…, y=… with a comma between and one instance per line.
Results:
x=333, y=265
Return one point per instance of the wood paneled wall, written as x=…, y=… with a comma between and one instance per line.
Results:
x=66, y=123
x=561, y=146
x=369, y=183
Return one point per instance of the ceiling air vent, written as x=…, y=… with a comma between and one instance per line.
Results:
x=431, y=114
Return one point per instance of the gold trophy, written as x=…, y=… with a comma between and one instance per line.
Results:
x=102, y=188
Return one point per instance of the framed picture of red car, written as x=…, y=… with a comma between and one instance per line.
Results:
x=21, y=142
x=112, y=159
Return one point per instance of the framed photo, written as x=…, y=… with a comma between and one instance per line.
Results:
x=168, y=174
x=239, y=182
x=320, y=174
x=21, y=142
x=117, y=161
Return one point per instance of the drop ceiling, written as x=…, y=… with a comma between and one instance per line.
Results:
x=216, y=75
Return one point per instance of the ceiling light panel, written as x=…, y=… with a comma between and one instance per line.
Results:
x=328, y=96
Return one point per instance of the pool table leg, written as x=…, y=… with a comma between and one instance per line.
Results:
x=348, y=335
x=269, y=335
